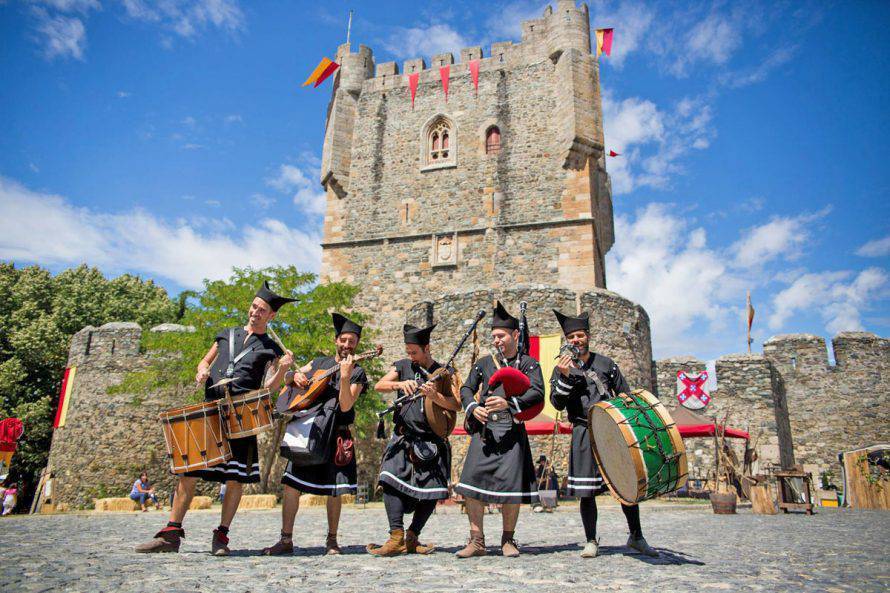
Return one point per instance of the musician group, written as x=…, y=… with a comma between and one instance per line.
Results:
x=500, y=390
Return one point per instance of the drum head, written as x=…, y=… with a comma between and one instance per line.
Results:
x=612, y=451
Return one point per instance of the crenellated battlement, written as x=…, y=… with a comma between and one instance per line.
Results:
x=112, y=340
x=567, y=27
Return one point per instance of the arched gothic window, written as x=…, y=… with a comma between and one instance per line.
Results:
x=438, y=140
x=493, y=140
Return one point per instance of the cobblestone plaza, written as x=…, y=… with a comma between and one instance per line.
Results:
x=835, y=550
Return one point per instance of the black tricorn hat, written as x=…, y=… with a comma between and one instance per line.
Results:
x=571, y=324
x=416, y=335
x=343, y=325
x=270, y=297
x=502, y=319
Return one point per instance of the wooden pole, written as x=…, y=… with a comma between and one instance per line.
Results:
x=349, y=27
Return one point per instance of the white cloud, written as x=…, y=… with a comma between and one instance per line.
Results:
x=652, y=141
x=192, y=146
x=82, y=6
x=233, y=118
x=778, y=58
x=665, y=264
x=34, y=167
x=187, y=17
x=414, y=42
x=839, y=301
x=137, y=241
x=306, y=193
x=62, y=36
x=505, y=22
x=782, y=236
x=694, y=293
x=876, y=248
x=262, y=201
x=124, y=94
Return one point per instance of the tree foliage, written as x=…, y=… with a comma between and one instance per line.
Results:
x=304, y=326
x=39, y=313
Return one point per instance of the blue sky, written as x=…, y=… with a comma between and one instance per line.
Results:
x=172, y=139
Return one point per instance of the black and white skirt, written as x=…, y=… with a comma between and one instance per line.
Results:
x=500, y=472
x=244, y=466
x=326, y=479
x=424, y=481
x=584, y=478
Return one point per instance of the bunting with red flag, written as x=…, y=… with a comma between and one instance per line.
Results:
x=613, y=153
x=604, y=41
x=444, y=73
x=474, y=72
x=412, y=86
x=324, y=69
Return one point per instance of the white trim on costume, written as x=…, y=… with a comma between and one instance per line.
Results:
x=483, y=491
x=407, y=485
x=322, y=486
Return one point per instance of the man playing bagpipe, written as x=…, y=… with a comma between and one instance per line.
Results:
x=338, y=473
x=244, y=355
x=578, y=382
x=417, y=461
x=498, y=467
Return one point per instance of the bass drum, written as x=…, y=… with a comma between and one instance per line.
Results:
x=443, y=421
x=637, y=447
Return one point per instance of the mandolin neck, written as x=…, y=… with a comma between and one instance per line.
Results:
x=327, y=373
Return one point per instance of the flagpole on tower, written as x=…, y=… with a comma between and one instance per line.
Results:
x=749, y=309
x=349, y=26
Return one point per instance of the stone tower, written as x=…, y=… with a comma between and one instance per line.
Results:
x=498, y=188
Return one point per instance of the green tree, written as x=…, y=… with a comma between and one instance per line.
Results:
x=39, y=313
x=304, y=327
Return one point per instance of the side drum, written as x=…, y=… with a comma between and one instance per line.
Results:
x=194, y=437
x=251, y=414
x=637, y=447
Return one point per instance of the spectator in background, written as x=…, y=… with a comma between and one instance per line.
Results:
x=10, y=496
x=142, y=492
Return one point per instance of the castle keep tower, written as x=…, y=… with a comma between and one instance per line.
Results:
x=507, y=185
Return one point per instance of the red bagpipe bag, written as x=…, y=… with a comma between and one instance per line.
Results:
x=515, y=383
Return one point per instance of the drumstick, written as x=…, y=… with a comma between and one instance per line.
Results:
x=278, y=341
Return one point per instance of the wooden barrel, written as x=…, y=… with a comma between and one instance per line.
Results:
x=723, y=503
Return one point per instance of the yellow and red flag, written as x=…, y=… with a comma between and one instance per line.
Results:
x=604, y=41
x=324, y=69
x=65, y=397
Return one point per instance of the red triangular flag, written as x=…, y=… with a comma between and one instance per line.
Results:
x=412, y=86
x=444, y=72
x=607, y=41
x=327, y=72
x=474, y=71
x=613, y=153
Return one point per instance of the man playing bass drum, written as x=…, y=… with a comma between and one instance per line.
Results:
x=417, y=462
x=575, y=388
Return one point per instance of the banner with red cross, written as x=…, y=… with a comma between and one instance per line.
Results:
x=691, y=390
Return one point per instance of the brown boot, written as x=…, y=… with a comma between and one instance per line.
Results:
x=413, y=545
x=283, y=546
x=219, y=545
x=475, y=547
x=394, y=546
x=509, y=547
x=166, y=540
x=331, y=546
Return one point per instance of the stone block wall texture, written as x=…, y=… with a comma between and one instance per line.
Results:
x=537, y=212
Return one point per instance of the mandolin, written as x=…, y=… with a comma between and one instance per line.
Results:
x=300, y=399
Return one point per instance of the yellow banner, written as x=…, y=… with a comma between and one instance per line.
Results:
x=67, y=396
x=548, y=348
x=599, y=41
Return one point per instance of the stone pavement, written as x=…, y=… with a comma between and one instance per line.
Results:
x=836, y=550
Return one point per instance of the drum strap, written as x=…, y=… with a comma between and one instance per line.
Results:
x=233, y=360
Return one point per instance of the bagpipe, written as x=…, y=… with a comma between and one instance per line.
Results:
x=441, y=421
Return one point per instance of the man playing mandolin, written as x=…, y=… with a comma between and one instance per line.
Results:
x=578, y=382
x=240, y=356
x=338, y=475
x=417, y=461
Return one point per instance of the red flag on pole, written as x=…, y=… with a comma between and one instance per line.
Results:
x=444, y=73
x=474, y=71
x=613, y=153
x=412, y=86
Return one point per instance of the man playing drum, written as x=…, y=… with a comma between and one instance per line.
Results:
x=245, y=355
x=575, y=388
x=338, y=475
x=498, y=467
x=417, y=462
